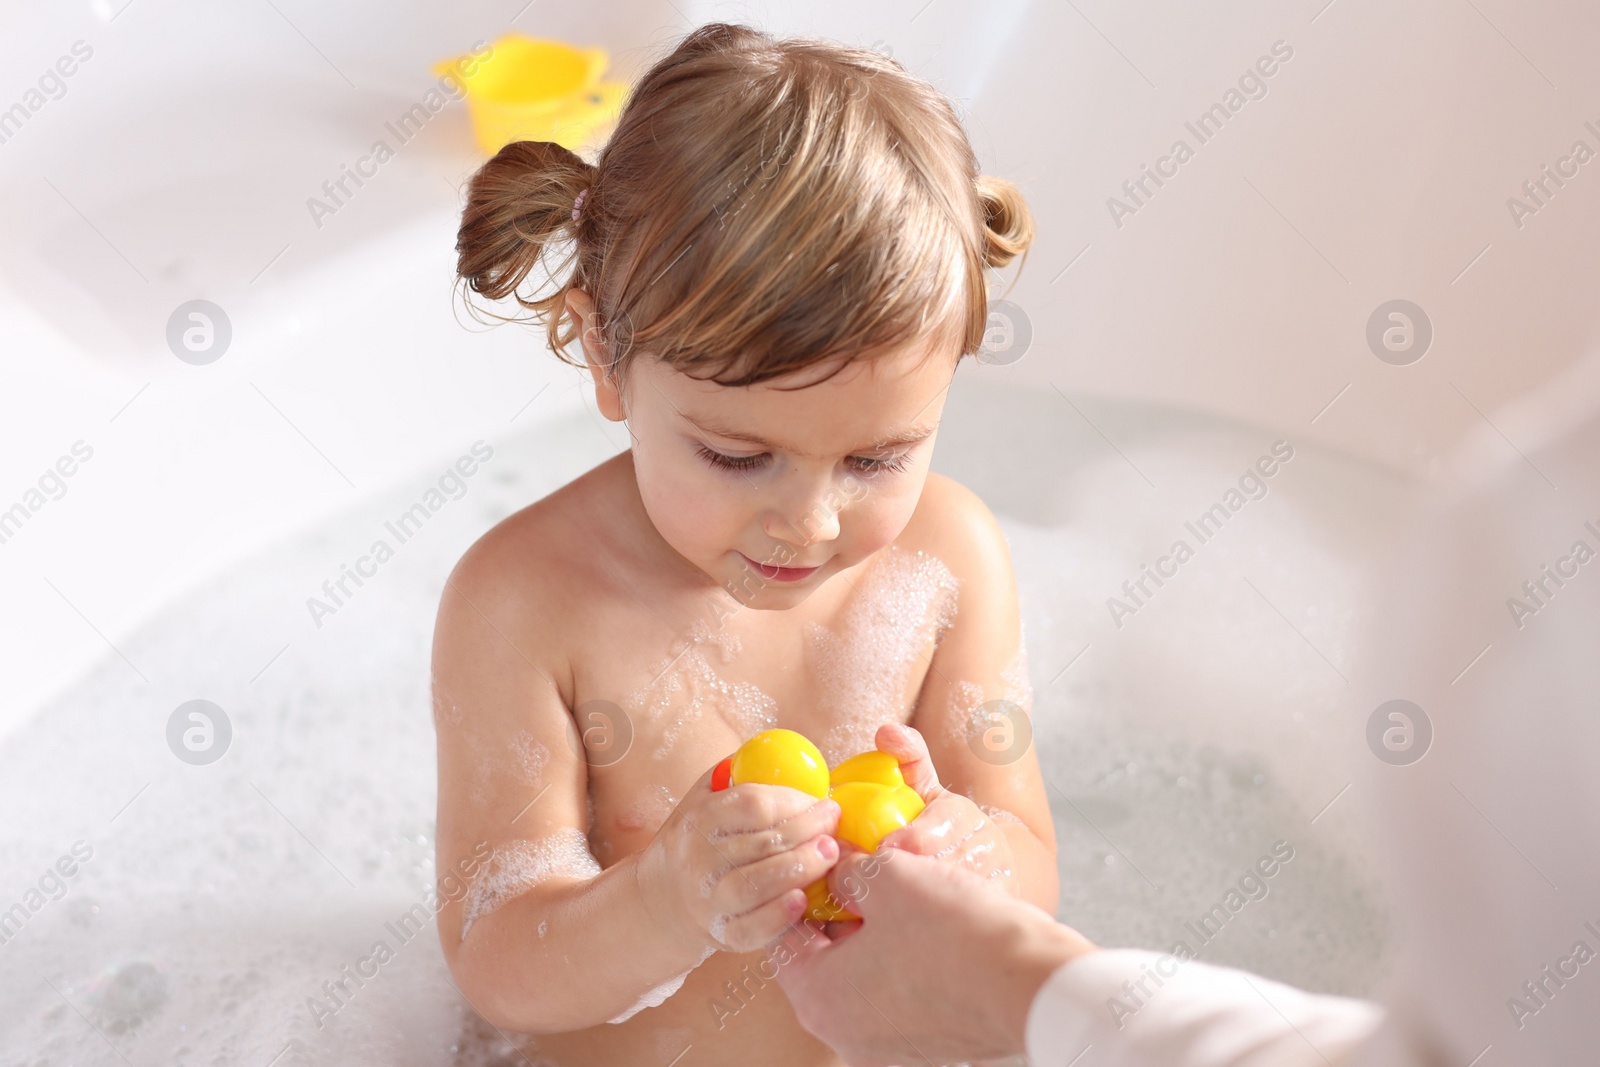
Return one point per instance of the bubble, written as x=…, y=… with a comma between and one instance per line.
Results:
x=685, y=686
x=998, y=729
x=532, y=756
x=659, y=995
x=863, y=668
x=129, y=995
x=446, y=711
x=1001, y=733
x=519, y=866
x=1000, y=814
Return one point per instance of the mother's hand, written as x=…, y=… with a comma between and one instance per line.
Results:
x=933, y=936
x=952, y=827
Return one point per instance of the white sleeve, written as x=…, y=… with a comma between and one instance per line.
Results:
x=1132, y=1008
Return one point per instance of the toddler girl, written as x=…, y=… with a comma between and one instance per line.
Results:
x=772, y=271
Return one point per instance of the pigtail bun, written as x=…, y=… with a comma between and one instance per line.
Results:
x=519, y=205
x=1008, y=225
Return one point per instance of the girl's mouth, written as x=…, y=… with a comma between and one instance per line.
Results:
x=780, y=574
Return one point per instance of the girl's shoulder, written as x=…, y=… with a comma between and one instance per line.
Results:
x=535, y=562
x=954, y=524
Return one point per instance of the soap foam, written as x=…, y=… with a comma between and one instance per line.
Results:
x=518, y=866
x=708, y=884
x=906, y=602
x=1000, y=814
x=445, y=710
x=687, y=685
x=1219, y=768
x=969, y=713
x=532, y=757
x=659, y=995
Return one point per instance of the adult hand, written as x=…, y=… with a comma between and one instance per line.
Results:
x=952, y=827
x=943, y=966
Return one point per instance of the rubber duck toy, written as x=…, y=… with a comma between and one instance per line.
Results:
x=873, y=797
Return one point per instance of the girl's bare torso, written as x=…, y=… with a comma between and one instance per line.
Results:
x=668, y=678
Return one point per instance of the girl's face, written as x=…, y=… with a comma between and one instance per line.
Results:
x=772, y=492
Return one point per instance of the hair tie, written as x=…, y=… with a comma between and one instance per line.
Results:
x=577, y=205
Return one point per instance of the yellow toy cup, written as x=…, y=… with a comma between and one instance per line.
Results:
x=530, y=89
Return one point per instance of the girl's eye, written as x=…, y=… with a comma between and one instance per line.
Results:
x=731, y=463
x=862, y=464
x=870, y=465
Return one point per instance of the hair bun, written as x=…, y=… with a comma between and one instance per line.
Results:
x=518, y=204
x=1006, y=219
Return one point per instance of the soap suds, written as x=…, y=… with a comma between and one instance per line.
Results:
x=687, y=685
x=445, y=710
x=532, y=757
x=518, y=866
x=971, y=707
x=526, y=762
x=906, y=603
x=708, y=884
x=1000, y=813
x=660, y=993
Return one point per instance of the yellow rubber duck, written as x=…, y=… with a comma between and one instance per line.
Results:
x=531, y=89
x=873, y=797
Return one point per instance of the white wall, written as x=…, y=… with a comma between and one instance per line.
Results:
x=178, y=162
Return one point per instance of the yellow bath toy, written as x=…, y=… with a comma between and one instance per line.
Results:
x=874, y=801
x=874, y=766
x=530, y=89
x=781, y=757
x=873, y=797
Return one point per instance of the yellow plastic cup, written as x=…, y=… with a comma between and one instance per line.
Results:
x=530, y=89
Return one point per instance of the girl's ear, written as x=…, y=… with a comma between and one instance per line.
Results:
x=597, y=354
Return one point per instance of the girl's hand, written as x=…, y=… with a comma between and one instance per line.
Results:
x=729, y=869
x=952, y=827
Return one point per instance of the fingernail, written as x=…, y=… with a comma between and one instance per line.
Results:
x=828, y=848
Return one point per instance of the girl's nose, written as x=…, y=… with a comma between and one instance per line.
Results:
x=812, y=519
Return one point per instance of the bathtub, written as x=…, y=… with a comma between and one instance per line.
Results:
x=1179, y=747
x=1185, y=733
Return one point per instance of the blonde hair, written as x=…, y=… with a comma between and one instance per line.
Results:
x=763, y=205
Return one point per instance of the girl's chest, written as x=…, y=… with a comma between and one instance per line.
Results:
x=654, y=715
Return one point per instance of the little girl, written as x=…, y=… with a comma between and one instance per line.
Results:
x=779, y=260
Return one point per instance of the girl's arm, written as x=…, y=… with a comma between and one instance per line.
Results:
x=987, y=757
x=553, y=944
